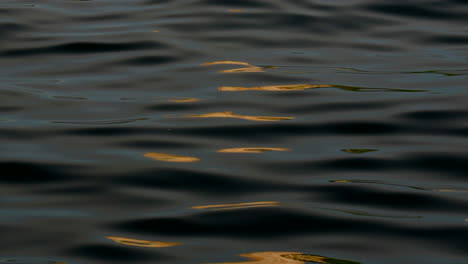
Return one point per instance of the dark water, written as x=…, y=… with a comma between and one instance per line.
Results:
x=194, y=131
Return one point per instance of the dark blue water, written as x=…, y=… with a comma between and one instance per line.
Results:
x=206, y=131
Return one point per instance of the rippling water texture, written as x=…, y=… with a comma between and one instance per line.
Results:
x=234, y=131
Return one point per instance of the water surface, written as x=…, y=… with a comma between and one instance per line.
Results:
x=206, y=131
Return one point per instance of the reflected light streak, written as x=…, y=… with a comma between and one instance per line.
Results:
x=232, y=115
x=250, y=150
x=184, y=100
x=142, y=243
x=249, y=67
x=169, y=157
x=288, y=258
x=293, y=87
x=299, y=87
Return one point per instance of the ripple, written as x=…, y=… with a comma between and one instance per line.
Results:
x=435, y=115
x=253, y=223
x=391, y=199
x=370, y=213
x=448, y=73
x=81, y=48
x=101, y=122
x=435, y=164
x=374, y=152
x=35, y=173
x=173, y=99
x=70, y=97
x=111, y=253
x=28, y=261
x=400, y=185
x=236, y=206
x=358, y=151
x=414, y=10
x=202, y=182
x=150, y=60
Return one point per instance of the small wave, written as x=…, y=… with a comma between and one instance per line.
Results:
x=101, y=122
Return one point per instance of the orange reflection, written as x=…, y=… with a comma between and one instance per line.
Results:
x=184, y=100
x=288, y=258
x=251, y=150
x=236, y=206
x=293, y=87
x=226, y=62
x=235, y=10
x=169, y=157
x=245, y=117
x=341, y=181
x=249, y=68
x=298, y=87
x=142, y=243
x=267, y=258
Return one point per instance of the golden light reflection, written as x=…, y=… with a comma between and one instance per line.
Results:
x=288, y=258
x=318, y=259
x=155, y=31
x=341, y=181
x=251, y=150
x=169, y=157
x=235, y=10
x=245, y=117
x=142, y=243
x=184, y=100
x=249, y=67
x=245, y=69
x=236, y=206
x=226, y=62
x=299, y=87
x=293, y=87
